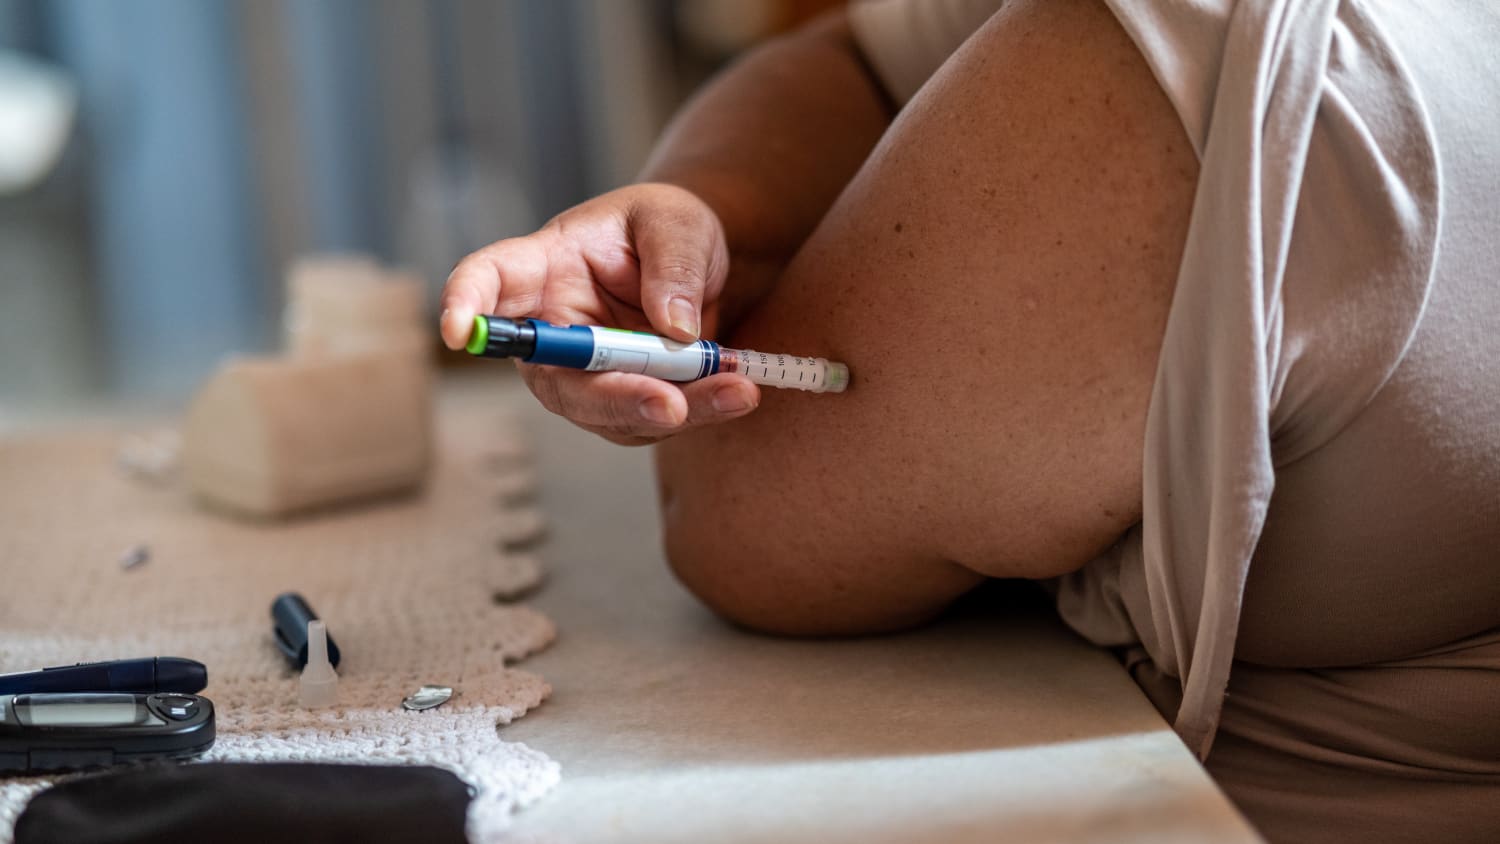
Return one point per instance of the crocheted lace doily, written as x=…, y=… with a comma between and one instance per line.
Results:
x=416, y=590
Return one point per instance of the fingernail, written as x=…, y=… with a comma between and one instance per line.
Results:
x=656, y=410
x=730, y=400
x=684, y=316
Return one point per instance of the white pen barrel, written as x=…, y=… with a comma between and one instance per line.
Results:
x=817, y=375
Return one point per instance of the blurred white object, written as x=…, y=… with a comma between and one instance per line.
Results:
x=348, y=304
x=151, y=457
x=37, y=108
x=266, y=437
x=344, y=414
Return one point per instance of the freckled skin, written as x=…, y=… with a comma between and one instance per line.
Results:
x=997, y=276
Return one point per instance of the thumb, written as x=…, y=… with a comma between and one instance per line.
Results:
x=683, y=261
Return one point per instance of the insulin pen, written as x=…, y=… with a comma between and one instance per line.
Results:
x=611, y=349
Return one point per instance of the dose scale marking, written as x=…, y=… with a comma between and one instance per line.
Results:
x=599, y=349
x=775, y=369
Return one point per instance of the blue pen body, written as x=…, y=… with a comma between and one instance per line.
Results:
x=599, y=349
x=562, y=345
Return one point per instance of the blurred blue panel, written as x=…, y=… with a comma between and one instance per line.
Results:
x=12, y=34
x=334, y=54
x=551, y=95
x=16, y=25
x=171, y=202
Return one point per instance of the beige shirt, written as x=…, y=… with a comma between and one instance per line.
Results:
x=1321, y=530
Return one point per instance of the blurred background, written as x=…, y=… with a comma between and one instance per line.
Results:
x=162, y=162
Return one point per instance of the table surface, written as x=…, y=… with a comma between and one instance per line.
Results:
x=995, y=723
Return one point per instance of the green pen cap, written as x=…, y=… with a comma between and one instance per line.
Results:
x=479, y=338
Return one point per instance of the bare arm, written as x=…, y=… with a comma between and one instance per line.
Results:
x=771, y=142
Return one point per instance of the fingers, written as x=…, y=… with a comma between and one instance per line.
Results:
x=505, y=278
x=635, y=409
x=680, y=260
x=683, y=259
x=719, y=398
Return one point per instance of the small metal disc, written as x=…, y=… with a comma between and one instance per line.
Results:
x=428, y=697
x=135, y=556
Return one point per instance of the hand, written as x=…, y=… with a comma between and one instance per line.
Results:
x=648, y=257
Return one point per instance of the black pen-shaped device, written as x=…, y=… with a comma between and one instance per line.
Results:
x=135, y=676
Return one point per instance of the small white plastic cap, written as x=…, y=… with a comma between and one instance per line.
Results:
x=320, y=683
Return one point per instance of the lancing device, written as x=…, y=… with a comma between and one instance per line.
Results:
x=151, y=675
x=598, y=349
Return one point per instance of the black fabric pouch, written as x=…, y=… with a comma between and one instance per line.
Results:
x=247, y=802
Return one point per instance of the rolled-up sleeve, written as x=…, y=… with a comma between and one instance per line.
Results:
x=906, y=41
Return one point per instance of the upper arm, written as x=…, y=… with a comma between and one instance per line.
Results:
x=785, y=127
x=997, y=276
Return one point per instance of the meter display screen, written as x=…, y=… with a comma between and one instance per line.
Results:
x=42, y=710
